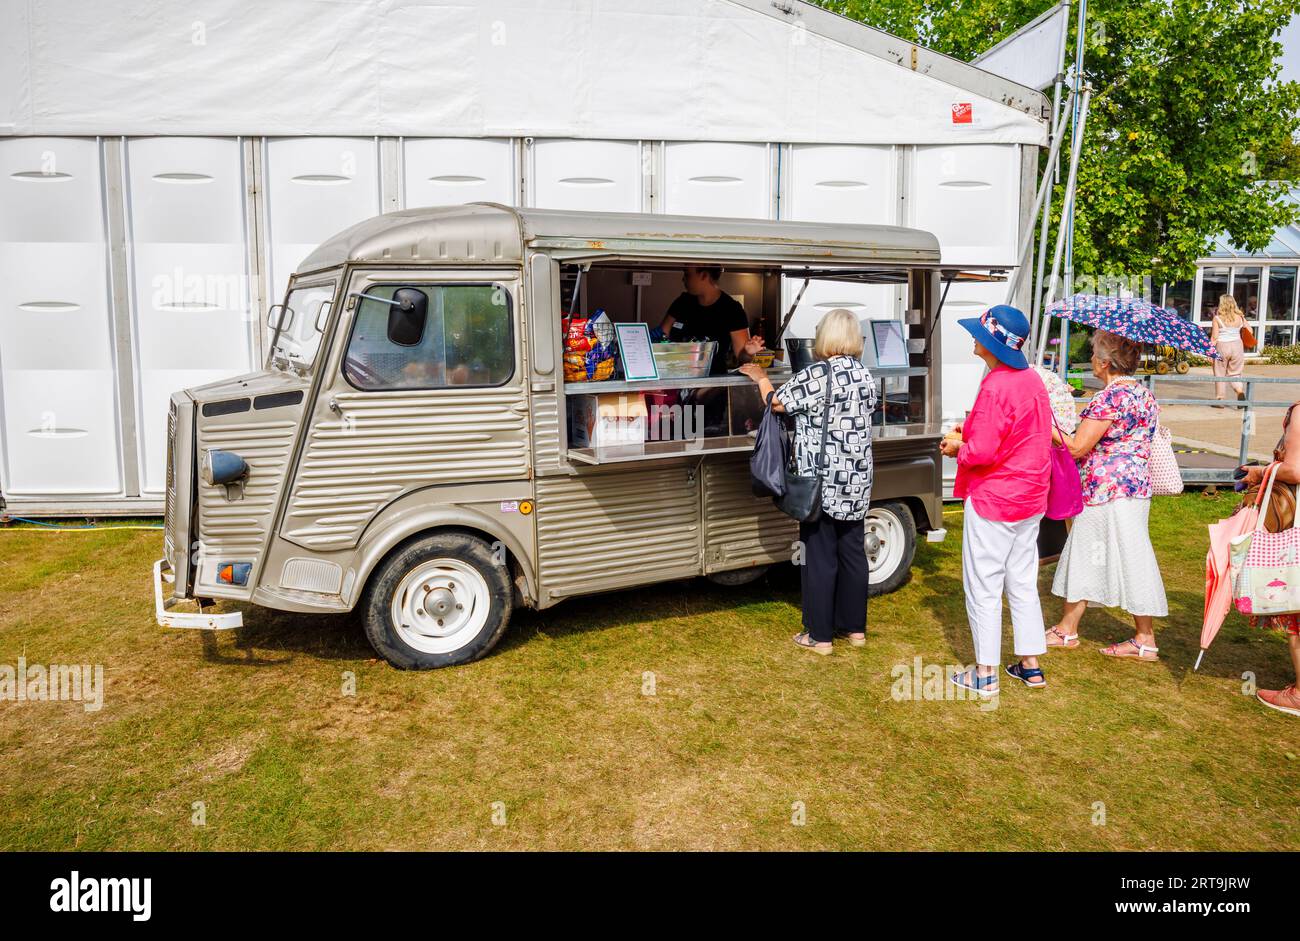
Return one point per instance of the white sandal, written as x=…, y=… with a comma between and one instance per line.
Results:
x=1140, y=655
x=1068, y=641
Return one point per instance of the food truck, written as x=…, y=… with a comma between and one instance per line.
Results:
x=426, y=440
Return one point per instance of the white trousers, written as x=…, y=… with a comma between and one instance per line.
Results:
x=997, y=557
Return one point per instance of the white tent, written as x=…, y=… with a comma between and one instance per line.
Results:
x=164, y=166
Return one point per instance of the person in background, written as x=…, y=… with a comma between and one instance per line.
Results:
x=706, y=312
x=1003, y=472
x=834, y=574
x=1108, y=560
x=1287, y=454
x=1061, y=397
x=1225, y=334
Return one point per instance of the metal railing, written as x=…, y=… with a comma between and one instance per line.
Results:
x=1246, y=406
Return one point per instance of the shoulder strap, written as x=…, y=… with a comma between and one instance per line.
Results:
x=826, y=409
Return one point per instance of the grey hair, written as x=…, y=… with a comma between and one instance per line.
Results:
x=1120, y=352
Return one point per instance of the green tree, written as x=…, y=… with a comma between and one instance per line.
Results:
x=1190, y=133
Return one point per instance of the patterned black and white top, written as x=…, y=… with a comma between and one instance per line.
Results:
x=846, y=468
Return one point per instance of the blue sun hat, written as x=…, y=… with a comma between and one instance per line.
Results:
x=1001, y=330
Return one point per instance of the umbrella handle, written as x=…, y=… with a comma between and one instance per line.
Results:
x=1198, y=660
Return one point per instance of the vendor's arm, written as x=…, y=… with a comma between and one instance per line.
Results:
x=744, y=346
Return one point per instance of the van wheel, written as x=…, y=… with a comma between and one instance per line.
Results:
x=438, y=602
x=734, y=578
x=889, y=532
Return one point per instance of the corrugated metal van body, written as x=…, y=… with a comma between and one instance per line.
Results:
x=741, y=530
x=617, y=527
x=241, y=415
x=380, y=445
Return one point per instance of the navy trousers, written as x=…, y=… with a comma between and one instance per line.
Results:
x=834, y=577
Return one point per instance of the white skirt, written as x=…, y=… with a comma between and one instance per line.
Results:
x=1108, y=560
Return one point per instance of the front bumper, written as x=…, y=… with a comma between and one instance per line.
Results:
x=162, y=607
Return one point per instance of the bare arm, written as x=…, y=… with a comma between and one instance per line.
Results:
x=765, y=387
x=1214, y=330
x=1085, y=437
x=745, y=346
x=1289, y=470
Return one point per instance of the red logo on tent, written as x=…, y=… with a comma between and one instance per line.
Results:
x=961, y=113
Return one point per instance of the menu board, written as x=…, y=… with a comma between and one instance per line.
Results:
x=638, y=355
x=891, y=344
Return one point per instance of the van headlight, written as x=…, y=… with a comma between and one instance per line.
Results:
x=222, y=467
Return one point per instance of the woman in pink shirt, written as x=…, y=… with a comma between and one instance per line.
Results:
x=1003, y=457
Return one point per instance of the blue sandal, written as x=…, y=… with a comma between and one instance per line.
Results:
x=972, y=681
x=1030, y=676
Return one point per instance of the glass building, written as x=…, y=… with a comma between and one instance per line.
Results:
x=1263, y=284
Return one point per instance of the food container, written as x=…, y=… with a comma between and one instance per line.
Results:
x=763, y=358
x=684, y=360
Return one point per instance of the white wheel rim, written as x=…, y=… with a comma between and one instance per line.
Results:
x=441, y=605
x=885, y=542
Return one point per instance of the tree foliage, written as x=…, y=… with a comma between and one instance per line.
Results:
x=1190, y=134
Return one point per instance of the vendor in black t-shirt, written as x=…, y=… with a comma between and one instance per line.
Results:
x=706, y=312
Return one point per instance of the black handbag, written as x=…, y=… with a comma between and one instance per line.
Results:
x=802, y=499
x=771, y=455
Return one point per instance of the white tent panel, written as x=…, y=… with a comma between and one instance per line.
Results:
x=969, y=197
x=718, y=179
x=599, y=175
x=850, y=183
x=962, y=369
x=316, y=187
x=625, y=69
x=57, y=367
x=443, y=171
x=843, y=183
x=189, y=256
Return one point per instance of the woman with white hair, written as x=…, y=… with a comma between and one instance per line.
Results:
x=834, y=573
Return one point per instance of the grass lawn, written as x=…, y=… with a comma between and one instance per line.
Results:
x=554, y=733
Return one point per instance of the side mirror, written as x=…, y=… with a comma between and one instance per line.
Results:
x=407, y=316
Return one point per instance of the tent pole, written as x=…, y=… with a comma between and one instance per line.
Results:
x=1043, y=199
x=1052, y=171
x=1066, y=205
x=1079, y=48
x=1044, y=188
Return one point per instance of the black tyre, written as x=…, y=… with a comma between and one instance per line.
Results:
x=437, y=602
x=733, y=578
x=890, y=537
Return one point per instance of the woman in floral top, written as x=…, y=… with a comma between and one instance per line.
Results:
x=1108, y=560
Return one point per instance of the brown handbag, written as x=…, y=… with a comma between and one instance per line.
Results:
x=1248, y=340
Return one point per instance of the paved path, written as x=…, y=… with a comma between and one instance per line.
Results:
x=1217, y=431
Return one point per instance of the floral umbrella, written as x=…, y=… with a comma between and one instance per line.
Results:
x=1132, y=317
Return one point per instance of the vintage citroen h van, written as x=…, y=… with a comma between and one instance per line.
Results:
x=406, y=448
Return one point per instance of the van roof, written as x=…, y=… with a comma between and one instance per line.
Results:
x=488, y=233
